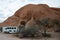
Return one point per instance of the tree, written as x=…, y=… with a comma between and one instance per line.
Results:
x=21, y=28
x=31, y=31
x=57, y=22
x=46, y=23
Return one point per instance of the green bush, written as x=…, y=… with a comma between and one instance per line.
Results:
x=57, y=22
x=45, y=23
x=30, y=31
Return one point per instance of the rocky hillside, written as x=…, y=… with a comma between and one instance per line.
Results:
x=37, y=12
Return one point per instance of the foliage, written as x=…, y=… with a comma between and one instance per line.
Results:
x=31, y=31
x=57, y=22
x=46, y=22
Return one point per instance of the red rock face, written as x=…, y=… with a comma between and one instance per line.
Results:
x=11, y=21
x=37, y=12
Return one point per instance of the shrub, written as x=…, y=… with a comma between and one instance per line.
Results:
x=57, y=22
x=46, y=22
x=30, y=31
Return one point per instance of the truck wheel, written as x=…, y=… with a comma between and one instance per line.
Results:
x=6, y=32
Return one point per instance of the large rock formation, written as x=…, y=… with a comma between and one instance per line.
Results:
x=37, y=12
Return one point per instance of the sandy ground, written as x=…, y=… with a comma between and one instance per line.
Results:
x=4, y=36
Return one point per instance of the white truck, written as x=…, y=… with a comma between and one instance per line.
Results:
x=10, y=29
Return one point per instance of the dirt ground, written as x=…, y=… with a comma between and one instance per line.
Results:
x=4, y=36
